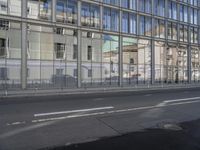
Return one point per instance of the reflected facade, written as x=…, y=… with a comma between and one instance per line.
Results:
x=98, y=43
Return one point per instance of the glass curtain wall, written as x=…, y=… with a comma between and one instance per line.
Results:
x=170, y=63
x=183, y=13
x=50, y=57
x=130, y=4
x=111, y=19
x=183, y=33
x=66, y=11
x=39, y=9
x=11, y=7
x=195, y=66
x=129, y=23
x=130, y=61
x=159, y=7
x=172, y=10
x=136, y=61
x=91, y=58
x=145, y=25
x=160, y=62
x=112, y=2
x=110, y=60
x=145, y=6
x=172, y=31
x=144, y=61
x=182, y=64
x=90, y=15
x=159, y=28
x=176, y=64
x=10, y=54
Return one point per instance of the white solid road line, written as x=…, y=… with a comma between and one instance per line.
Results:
x=73, y=111
x=181, y=103
x=183, y=99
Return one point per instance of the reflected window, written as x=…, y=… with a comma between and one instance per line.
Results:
x=145, y=26
x=112, y=2
x=159, y=7
x=172, y=30
x=129, y=23
x=3, y=7
x=89, y=53
x=2, y=47
x=59, y=50
x=125, y=24
x=159, y=29
x=172, y=10
x=193, y=16
x=66, y=11
x=194, y=35
x=183, y=13
x=145, y=6
x=183, y=33
x=90, y=15
x=39, y=9
x=195, y=61
x=111, y=19
x=75, y=51
x=11, y=7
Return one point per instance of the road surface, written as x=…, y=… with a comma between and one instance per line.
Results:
x=32, y=123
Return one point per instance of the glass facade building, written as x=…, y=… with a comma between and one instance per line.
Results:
x=98, y=43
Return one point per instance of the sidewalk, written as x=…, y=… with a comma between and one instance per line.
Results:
x=92, y=90
x=187, y=138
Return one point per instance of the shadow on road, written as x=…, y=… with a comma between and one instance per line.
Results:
x=187, y=137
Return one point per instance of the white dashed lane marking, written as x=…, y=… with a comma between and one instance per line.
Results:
x=16, y=123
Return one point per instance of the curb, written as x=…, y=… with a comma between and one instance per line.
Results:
x=56, y=92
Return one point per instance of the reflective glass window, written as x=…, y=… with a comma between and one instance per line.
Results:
x=90, y=15
x=66, y=11
x=39, y=9
x=111, y=19
x=11, y=7
x=145, y=26
x=159, y=7
x=112, y=2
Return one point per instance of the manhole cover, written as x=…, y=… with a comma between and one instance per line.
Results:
x=170, y=126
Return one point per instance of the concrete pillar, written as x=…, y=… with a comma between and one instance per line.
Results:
x=79, y=45
x=24, y=46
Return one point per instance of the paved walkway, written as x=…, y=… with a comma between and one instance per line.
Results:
x=184, y=137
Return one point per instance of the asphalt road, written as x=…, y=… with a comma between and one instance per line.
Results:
x=32, y=123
